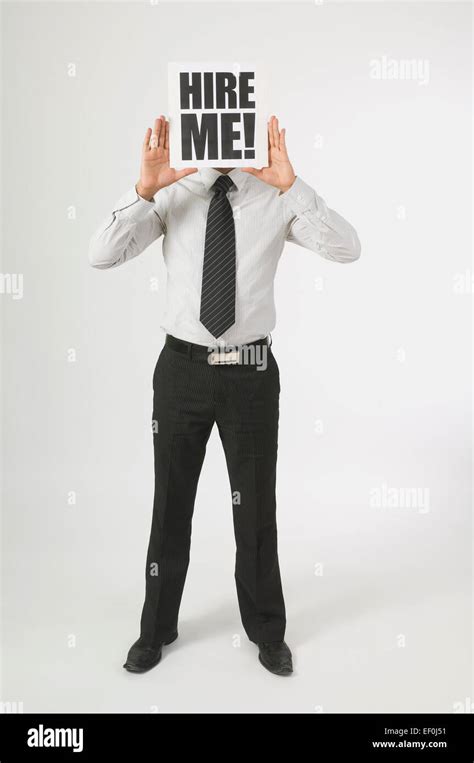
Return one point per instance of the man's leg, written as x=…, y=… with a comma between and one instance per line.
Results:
x=247, y=416
x=183, y=419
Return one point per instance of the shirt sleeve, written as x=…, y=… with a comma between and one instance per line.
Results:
x=314, y=226
x=132, y=226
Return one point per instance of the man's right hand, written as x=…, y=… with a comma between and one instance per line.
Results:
x=155, y=170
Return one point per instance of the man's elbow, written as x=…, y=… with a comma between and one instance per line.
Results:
x=354, y=248
x=99, y=255
x=350, y=249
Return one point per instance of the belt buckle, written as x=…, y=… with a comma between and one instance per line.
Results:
x=220, y=357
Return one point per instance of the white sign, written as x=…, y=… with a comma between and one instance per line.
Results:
x=217, y=115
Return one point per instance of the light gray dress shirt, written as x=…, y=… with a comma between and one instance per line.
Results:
x=264, y=219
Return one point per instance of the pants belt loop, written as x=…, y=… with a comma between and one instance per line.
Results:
x=271, y=340
x=190, y=351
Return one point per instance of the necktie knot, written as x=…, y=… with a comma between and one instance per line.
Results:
x=223, y=184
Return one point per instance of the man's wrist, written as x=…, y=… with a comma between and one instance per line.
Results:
x=145, y=193
x=285, y=188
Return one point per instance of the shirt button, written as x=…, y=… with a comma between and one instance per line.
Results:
x=299, y=197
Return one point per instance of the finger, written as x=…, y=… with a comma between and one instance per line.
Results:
x=183, y=173
x=283, y=140
x=276, y=133
x=167, y=134
x=146, y=140
x=155, y=138
x=158, y=123
x=162, y=136
x=270, y=132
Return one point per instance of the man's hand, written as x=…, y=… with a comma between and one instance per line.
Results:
x=155, y=170
x=279, y=172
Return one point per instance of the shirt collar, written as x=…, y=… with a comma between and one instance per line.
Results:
x=208, y=176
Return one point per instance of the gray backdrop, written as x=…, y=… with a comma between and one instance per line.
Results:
x=374, y=360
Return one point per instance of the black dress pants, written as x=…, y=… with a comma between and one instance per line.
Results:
x=190, y=395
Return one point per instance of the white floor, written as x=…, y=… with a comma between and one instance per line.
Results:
x=378, y=599
x=361, y=643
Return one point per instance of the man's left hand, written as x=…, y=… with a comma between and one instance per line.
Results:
x=279, y=172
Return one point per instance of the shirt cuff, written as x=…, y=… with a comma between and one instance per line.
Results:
x=301, y=198
x=133, y=206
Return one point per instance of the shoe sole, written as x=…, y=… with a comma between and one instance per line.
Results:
x=284, y=672
x=134, y=669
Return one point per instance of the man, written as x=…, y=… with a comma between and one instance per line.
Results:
x=224, y=231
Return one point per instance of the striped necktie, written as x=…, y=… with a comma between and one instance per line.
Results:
x=218, y=276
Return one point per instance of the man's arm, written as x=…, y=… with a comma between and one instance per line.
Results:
x=316, y=227
x=137, y=220
x=133, y=225
x=311, y=223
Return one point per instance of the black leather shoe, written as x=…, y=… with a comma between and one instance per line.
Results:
x=142, y=658
x=275, y=656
